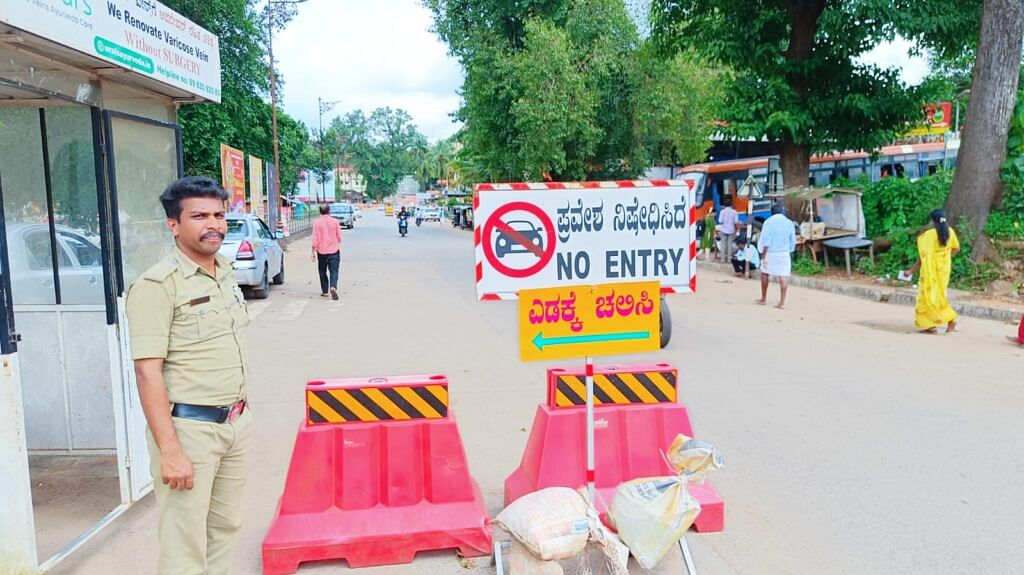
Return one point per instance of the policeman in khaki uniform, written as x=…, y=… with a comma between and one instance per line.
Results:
x=187, y=321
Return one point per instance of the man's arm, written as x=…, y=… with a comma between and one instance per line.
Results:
x=150, y=310
x=175, y=467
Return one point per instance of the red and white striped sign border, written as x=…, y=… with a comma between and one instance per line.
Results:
x=478, y=188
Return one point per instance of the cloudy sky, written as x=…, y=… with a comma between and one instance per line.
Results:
x=382, y=53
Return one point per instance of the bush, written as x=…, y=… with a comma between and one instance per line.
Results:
x=1004, y=225
x=805, y=266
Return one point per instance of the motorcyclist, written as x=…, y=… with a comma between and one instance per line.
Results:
x=403, y=219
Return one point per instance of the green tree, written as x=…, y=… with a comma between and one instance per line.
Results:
x=798, y=80
x=977, y=185
x=384, y=147
x=242, y=119
x=568, y=90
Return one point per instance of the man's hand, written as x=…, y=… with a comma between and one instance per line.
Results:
x=176, y=470
x=312, y=255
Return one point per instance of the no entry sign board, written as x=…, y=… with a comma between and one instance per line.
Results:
x=539, y=235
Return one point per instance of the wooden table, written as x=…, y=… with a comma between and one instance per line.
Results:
x=848, y=244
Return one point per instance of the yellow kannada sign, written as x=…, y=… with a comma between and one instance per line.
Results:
x=580, y=321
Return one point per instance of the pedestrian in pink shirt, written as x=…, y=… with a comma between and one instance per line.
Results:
x=327, y=250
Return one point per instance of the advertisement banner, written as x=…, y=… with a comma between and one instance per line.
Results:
x=139, y=35
x=256, y=187
x=273, y=197
x=552, y=234
x=938, y=118
x=232, y=177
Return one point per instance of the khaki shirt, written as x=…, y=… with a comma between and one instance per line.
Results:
x=196, y=323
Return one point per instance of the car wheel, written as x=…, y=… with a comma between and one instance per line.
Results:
x=279, y=278
x=262, y=291
x=665, y=324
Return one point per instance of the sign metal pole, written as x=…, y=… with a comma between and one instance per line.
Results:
x=590, y=428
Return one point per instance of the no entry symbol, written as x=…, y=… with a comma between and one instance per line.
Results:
x=518, y=239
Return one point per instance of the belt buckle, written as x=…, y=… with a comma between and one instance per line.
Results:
x=235, y=411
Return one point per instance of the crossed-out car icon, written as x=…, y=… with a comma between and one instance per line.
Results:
x=505, y=244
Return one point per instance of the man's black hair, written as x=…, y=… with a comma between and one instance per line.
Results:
x=189, y=187
x=325, y=209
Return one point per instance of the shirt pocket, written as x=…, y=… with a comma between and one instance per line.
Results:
x=185, y=324
x=238, y=309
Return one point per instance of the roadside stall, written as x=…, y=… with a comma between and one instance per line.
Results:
x=827, y=217
x=88, y=139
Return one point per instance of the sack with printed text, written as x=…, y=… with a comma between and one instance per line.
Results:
x=651, y=515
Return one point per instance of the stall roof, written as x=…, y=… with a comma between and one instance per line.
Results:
x=808, y=193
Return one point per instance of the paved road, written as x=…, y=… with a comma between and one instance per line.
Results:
x=852, y=444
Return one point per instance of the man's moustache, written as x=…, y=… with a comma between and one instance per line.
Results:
x=212, y=235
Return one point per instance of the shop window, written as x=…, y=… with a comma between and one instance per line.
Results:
x=25, y=208
x=69, y=138
x=146, y=162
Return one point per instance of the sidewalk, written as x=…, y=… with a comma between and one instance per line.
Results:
x=965, y=303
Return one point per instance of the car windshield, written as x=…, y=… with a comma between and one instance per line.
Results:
x=340, y=209
x=237, y=229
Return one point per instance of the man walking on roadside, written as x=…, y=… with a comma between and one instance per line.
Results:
x=777, y=242
x=187, y=321
x=727, y=221
x=327, y=250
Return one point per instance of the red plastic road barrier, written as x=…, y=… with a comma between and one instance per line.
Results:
x=630, y=441
x=377, y=491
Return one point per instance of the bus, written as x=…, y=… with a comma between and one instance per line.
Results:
x=716, y=182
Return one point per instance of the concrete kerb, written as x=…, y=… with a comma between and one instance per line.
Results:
x=882, y=294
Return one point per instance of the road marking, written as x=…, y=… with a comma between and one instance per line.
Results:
x=293, y=310
x=256, y=308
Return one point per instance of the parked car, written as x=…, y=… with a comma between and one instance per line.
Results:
x=344, y=214
x=255, y=255
x=31, y=264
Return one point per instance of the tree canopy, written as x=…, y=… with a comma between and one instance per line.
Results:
x=384, y=147
x=566, y=89
x=799, y=80
x=243, y=118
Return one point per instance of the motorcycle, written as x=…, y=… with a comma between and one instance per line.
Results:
x=419, y=221
x=403, y=226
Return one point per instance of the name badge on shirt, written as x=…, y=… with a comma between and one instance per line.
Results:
x=199, y=300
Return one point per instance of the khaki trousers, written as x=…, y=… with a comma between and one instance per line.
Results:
x=198, y=528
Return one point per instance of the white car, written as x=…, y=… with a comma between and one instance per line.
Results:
x=31, y=265
x=255, y=255
x=357, y=211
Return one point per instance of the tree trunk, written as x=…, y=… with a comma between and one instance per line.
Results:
x=993, y=92
x=795, y=161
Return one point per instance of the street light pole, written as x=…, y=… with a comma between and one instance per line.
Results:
x=323, y=107
x=273, y=92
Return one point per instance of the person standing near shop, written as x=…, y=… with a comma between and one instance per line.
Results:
x=327, y=250
x=187, y=320
x=777, y=243
x=727, y=222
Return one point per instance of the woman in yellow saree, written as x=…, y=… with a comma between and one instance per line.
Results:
x=936, y=248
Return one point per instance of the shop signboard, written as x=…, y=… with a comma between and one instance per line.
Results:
x=256, y=186
x=232, y=177
x=139, y=35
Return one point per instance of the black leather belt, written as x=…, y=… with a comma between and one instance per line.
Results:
x=213, y=414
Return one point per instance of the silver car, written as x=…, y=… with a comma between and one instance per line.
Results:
x=31, y=264
x=255, y=255
x=344, y=213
